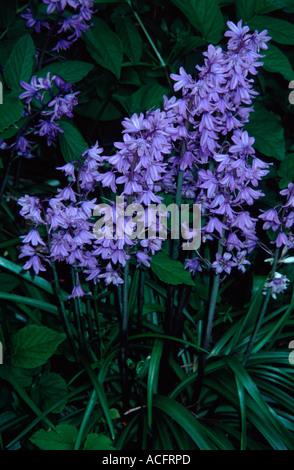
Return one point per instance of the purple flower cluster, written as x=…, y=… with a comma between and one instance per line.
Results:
x=211, y=113
x=281, y=219
x=46, y=100
x=199, y=136
x=67, y=20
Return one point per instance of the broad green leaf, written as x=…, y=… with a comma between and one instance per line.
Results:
x=266, y=6
x=105, y=46
x=72, y=143
x=10, y=111
x=286, y=171
x=185, y=46
x=50, y=389
x=98, y=442
x=205, y=16
x=61, y=439
x=245, y=9
x=170, y=271
x=276, y=61
x=71, y=71
x=281, y=31
x=147, y=97
x=33, y=345
x=21, y=62
x=266, y=128
x=130, y=38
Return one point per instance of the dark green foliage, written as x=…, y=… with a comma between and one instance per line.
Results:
x=54, y=397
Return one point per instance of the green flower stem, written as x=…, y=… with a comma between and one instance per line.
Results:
x=62, y=308
x=209, y=325
x=161, y=61
x=263, y=310
x=140, y=300
x=124, y=336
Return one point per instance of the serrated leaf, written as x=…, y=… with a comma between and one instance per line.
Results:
x=281, y=31
x=72, y=143
x=170, y=271
x=21, y=62
x=268, y=132
x=71, y=71
x=105, y=46
x=33, y=345
x=98, y=442
x=205, y=16
x=276, y=61
x=130, y=38
x=62, y=439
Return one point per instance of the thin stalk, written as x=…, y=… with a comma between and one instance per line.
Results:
x=140, y=300
x=62, y=308
x=161, y=61
x=124, y=336
x=263, y=310
x=209, y=325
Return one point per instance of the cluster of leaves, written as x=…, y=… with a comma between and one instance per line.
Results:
x=55, y=397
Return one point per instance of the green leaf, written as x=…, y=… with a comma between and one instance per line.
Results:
x=153, y=374
x=71, y=71
x=7, y=282
x=201, y=435
x=170, y=271
x=98, y=442
x=72, y=143
x=281, y=31
x=130, y=38
x=205, y=16
x=105, y=46
x=286, y=171
x=35, y=280
x=61, y=439
x=29, y=301
x=10, y=111
x=276, y=61
x=21, y=62
x=268, y=132
x=33, y=345
x=50, y=389
x=267, y=6
x=147, y=97
x=245, y=9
